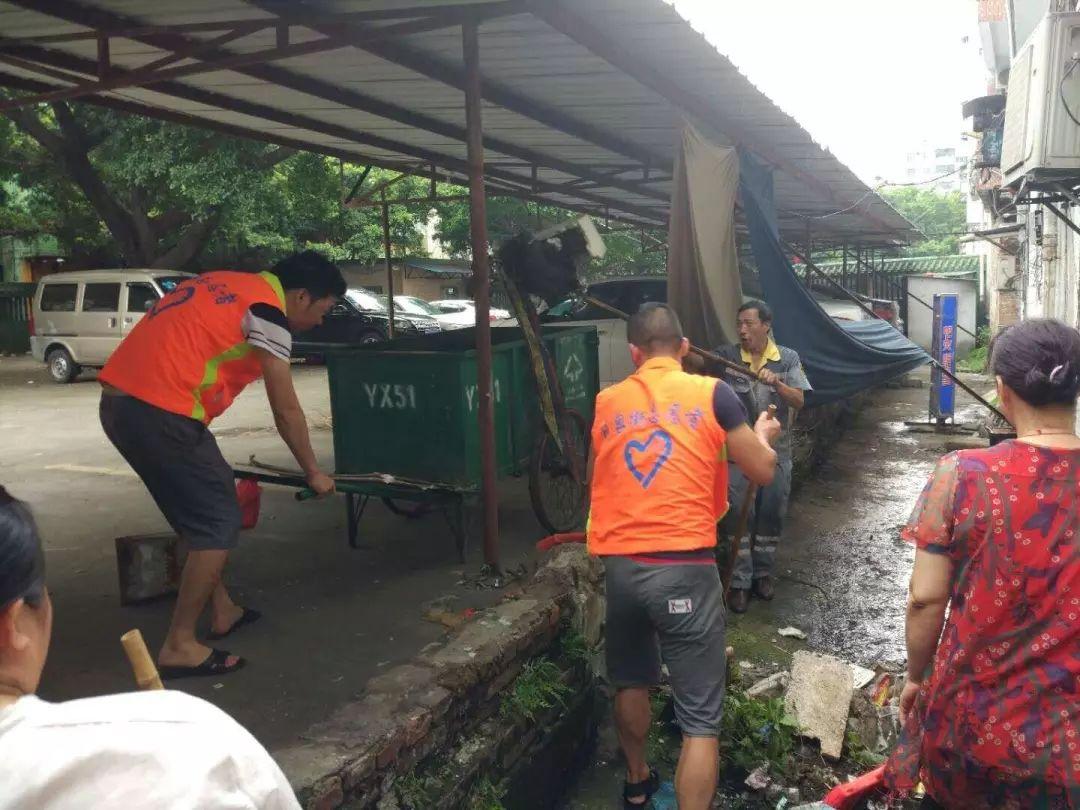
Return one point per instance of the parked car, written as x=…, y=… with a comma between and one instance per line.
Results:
x=458, y=314
x=414, y=309
x=80, y=317
x=358, y=319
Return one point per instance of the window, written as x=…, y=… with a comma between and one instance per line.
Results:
x=450, y=292
x=141, y=296
x=59, y=297
x=101, y=298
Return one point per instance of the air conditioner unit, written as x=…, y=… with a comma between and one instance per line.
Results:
x=1041, y=142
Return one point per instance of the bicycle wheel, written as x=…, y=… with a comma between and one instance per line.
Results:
x=559, y=499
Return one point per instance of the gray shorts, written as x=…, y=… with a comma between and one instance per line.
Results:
x=179, y=461
x=670, y=612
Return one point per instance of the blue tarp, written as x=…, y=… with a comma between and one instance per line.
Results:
x=840, y=359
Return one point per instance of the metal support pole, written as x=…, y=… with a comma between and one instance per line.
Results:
x=843, y=277
x=481, y=289
x=389, y=266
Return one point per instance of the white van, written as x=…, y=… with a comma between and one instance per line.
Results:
x=81, y=317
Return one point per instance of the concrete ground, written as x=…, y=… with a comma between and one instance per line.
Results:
x=333, y=617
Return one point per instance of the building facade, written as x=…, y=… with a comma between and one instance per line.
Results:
x=939, y=167
x=1030, y=235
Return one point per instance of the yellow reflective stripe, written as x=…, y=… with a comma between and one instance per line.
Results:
x=275, y=283
x=210, y=375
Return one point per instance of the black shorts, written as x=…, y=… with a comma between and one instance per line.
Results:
x=672, y=612
x=178, y=460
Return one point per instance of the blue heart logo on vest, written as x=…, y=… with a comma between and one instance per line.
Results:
x=632, y=447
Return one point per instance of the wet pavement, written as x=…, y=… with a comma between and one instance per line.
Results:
x=843, y=570
x=332, y=616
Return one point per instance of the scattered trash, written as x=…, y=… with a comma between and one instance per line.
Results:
x=795, y=632
x=218, y=685
x=861, y=676
x=769, y=687
x=758, y=779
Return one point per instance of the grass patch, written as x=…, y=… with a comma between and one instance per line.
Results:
x=539, y=687
x=758, y=732
x=858, y=753
x=572, y=647
x=412, y=791
x=977, y=358
x=485, y=795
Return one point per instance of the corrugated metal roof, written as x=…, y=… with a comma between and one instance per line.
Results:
x=912, y=266
x=438, y=267
x=584, y=101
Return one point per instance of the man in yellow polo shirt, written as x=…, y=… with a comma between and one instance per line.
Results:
x=781, y=382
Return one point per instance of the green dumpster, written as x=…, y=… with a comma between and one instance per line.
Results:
x=408, y=410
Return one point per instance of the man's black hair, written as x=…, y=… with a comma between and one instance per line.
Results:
x=655, y=327
x=763, y=310
x=310, y=271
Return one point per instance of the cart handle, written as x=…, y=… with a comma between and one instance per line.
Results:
x=306, y=494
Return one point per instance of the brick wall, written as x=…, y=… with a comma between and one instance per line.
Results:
x=439, y=714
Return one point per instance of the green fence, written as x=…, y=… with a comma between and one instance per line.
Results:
x=15, y=318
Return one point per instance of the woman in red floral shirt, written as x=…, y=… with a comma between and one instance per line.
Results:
x=991, y=711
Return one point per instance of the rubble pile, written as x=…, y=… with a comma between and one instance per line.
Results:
x=847, y=718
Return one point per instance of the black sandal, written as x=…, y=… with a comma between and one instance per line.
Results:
x=638, y=790
x=215, y=664
x=249, y=616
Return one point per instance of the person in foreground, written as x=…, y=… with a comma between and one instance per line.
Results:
x=991, y=707
x=661, y=440
x=156, y=750
x=180, y=367
x=781, y=382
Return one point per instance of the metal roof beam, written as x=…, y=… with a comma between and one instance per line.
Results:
x=257, y=110
x=453, y=75
x=561, y=18
x=134, y=108
x=216, y=60
x=452, y=12
x=74, y=12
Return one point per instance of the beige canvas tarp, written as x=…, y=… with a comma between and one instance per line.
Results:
x=703, y=267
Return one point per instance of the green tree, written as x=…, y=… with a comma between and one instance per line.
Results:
x=115, y=187
x=942, y=217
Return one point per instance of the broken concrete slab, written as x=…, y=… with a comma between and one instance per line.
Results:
x=819, y=698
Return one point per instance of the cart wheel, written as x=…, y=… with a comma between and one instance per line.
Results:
x=407, y=509
x=558, y=498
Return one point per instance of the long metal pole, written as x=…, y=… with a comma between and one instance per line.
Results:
x=855, y=299
x=389, y=265
x=481, y=293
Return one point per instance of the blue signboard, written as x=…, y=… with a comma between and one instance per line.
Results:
x=942, y=388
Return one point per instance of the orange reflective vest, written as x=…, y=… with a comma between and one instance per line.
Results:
x=189, y=355
x=659, y=479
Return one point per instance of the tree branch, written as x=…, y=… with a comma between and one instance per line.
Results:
x=27, y=120
x=268, y=160
x=191, y=242
x=169, y=220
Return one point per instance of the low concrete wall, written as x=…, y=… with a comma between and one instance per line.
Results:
x=435, y=721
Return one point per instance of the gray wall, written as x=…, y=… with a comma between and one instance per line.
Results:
x=920, y=319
